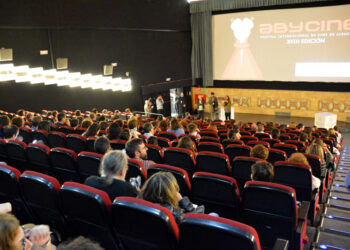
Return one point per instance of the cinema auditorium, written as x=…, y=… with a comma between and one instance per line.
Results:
x=174, y=124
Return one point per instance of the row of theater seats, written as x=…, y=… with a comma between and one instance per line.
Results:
x=137, y=224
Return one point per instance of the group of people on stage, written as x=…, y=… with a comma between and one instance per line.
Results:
x=213, y=107
x=149, y=106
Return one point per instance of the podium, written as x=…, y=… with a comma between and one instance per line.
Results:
x=325, y=120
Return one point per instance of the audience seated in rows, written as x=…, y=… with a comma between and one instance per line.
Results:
x=137, y=150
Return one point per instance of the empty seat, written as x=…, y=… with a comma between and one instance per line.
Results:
x=237, y=150
x=241, y=169
x=38, y=158
x=288, y=148
x=16, y=154
x=247, y=138
x=271, y=141
x=40, y=135
x=209, y=139
x=56, y=139
x=163, y=142
x=208, y=133
x=272, y=210
x=66, y=130
x=88, y=164
x=180, y=174
x=211, y=147
x=10, y=192
x=26, y=134
x=218, y=193
x=227, y=142
x=155, y=153
x=284, y=137
x=299, y=177
x=76, y=143
x=253, y=143
x=64, y=163
x=180, y=157
x=299, y=144
x=144, y=225
x=135, y=169
x=40, y=193
x=169, y=135
x=276, y=155
x=202, y=231
x=87, y=211
x=213, y=162
x=118, y=144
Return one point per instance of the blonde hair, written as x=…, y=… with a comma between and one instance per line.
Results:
x=9, y=225
x=161, y=188
x=316, y=149
x=298, y=158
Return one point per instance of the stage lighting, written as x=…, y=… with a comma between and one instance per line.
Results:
x=6, y=73
x=6, y=55
x=50, y=76
x=36, y=75
x=21, y=73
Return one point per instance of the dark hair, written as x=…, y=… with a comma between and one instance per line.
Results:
x=132, y=146
x=102, y=145
x=262, y=171
x=18, y=121
x=113, y=131
x=152, y=140
x=4, y=120
x=77, y=112
x=61, y=116
x=44, y=125
x=103, y=125
x=124, y=135
x=299, y=126
x=174, y=124
x=303, y=137
x=79, y=243
x=92, y=130
x=74, y=122
x=9, y=131
x=232, y=132
x=275, y=133
x=36, y=120
x=147, y=127
x=20, y=112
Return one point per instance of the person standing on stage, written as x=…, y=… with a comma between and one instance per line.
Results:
x=200, y=107
x=160, y=105
x=213, y=106
x=227, y=106
x=181, y=105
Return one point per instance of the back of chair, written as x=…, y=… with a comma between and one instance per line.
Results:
x=211, y=147
x=218, y=193
x=213, y=162
x=38, y=158
x=3, y=154
x=76, y=142
x=271, y=141
x=26, y=134
x=135, y=169
x=89, y=164
x=155, y=153
x=64, y=163
x=227, y=142
x=201, y=231
x=237, y=150
x=90, y=143
x=288, y=148
x=56, y=139
x=169, y=135
x=247, y=138
x=276, y=155
x=118, y=144
x=180, y=157
x=40, y=135
x=144, y=225
x=163, y=142
x=16, y=154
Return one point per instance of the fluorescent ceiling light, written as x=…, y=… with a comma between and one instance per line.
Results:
x=36, y=75
x=50, y=76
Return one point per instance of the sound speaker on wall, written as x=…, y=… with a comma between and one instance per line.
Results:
x=107, y=70
x=6, y=55
x=62, y=63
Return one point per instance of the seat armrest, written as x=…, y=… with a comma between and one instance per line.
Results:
x=303, y=210
x=280, y=244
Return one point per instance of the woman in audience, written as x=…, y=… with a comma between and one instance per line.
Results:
x=12, y=236
x=304, y=138
x=193, y=130
x=162, y=189
x=234, y=133
x=300, y=158
x=320, y=149
x=114, y=131
x=18, y=121
x=275, y=133
x=212, y=126
x=163, y=125
x=176, y=128
x=186, y=142
x=44, y=125
x=86, y=123
x=93, y=130
x=74, y=122
x=259, y=151
x=262, y=171
x=113, y=168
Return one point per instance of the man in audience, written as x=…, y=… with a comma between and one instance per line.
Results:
x=148, y=129
x=259, y=151
x=136, y=149
x=10, y=132
x=62, y=120
x=35, y=122
x=234, y=133
x=262, y=171
x=102, y=145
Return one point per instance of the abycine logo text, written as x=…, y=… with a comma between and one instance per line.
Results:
x=334, y=25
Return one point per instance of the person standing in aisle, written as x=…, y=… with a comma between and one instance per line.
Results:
x=182, y=105
x=227, y=107
x=213, y=106
x=200, y=107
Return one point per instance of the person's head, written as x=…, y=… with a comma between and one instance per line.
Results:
x=300, y=126
x=182, y=94
x=92, y=116
x=163, y=125
x=136, y=148
x=275, y=133
x=259, y=151
x=152, y=140
x=212, y=93
x=332, y=131
x=36, y=120
x=212, y=126
x=93, y=130
x=303, y=137
x=79, y=243
x=10, y=132
x=125, y=135
x=316, y=149
x=114, y=131
x=74, y=122
x=127, y=110
x=86, y=123
x=77, y=112
x=21, y=112
x=260, y=128
x=192, y=128
x=298, y=158
x=94, y=110
x=262, y=171
x=336, y=128
x=325, y=134
x=102, y=145
x=18, y=121
x=61, y=117
x=232, y=133
x=132, y=123
x=227, y=98
x=11, y=234
x=113, y=164
x=174, y=124
x=161, y=188
x=186, y=142
x=103, y=125
x=44, y=125
x=148, y=128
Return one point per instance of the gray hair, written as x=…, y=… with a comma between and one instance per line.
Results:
x=113, y=163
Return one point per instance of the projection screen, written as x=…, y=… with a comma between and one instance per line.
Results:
x=304, y=44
